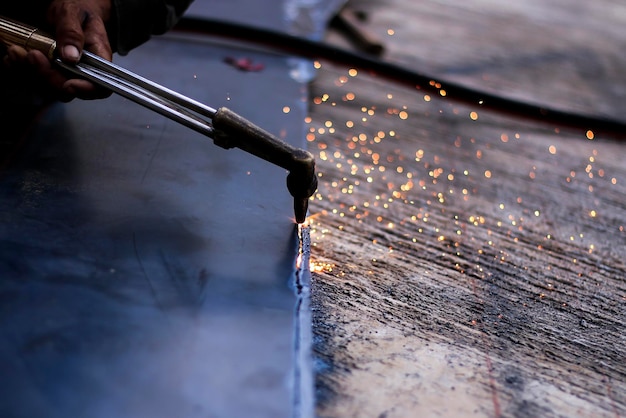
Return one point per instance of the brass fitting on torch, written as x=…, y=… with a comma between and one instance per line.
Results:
x=232, y=130
x=28, y=37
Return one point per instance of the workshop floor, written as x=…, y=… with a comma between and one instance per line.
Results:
x=468, y=263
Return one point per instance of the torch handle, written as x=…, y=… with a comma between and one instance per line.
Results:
x=28, y=37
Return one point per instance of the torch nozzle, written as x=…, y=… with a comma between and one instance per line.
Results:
x=232, y=130
x=302, y=183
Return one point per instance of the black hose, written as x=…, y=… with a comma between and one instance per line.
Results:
x=303, y=47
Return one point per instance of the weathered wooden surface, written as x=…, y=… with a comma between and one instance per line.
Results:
x=472, y=267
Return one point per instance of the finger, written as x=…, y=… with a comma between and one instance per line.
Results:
x=16, y=53
x=76, y=88
x=84, y=89
x=49, y=75
x=39, y=61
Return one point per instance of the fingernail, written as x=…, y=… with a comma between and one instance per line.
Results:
x=70, y=52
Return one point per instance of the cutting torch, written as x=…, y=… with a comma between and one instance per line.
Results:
x=227, y=128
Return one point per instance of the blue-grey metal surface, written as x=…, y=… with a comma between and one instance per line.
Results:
x=297, y=17
x=143, y=270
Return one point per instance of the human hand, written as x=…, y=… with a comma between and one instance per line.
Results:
x=77, y=25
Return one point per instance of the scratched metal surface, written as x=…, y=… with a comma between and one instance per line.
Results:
x=143, y=270
x=466, y=263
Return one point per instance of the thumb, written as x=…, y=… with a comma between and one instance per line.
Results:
x=68, y=21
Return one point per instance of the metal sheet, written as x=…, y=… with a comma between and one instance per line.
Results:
x=143, y=270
